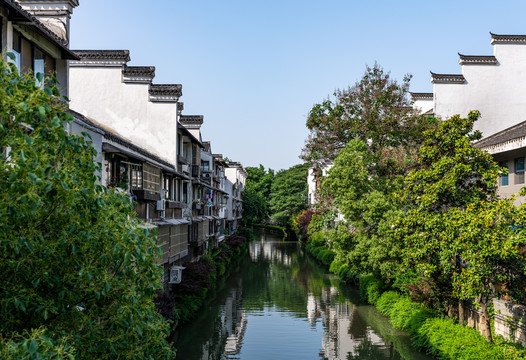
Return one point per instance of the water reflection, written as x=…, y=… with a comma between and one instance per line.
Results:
x=281, y=305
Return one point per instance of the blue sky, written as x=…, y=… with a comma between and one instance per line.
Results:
x=255, y=68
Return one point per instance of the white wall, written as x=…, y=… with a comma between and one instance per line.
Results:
x=423, y=105
x=497, y=91
x=99, y=94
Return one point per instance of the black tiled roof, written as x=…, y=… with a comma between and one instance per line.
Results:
x=447, y=78
x=123, y=55
x=148, y=71
x=17, y=13
x=477, y=59
x=511, y=133
x=191, y=119
x=507, y=39
x=421, y=96
x=166, y=90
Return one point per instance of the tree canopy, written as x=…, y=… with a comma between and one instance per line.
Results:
x=460, y=239
x=256, y=194
x=288, y=194
x=78, y=273
x=375, y=110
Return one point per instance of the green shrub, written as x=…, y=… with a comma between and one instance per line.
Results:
x=371, y=288
x=440, y=337
x=447, y=340
x=327, y=256
x=346, y=274
x=336, y=266
x=387, y=301
x=317, y=239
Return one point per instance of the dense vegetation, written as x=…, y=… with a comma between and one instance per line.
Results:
x=274, y=198
x=418, y=198
x=77, y=271
x=183, y=301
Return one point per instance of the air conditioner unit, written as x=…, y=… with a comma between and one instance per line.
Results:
x=161, y=205
x=176, y=275
x=185, y=168
x=205, y=175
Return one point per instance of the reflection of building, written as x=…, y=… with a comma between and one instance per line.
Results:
x=235, y=323
x=344, y=329
x=231, y=327
x=268, y=251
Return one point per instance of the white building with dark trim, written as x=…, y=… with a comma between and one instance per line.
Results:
x=494, y=85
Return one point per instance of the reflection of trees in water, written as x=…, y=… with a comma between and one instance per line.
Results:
x=367, y=350
x=268, y=281
x=279, y=276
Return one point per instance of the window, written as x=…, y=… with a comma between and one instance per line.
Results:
x=205, y=165
x=30, y=58
x=519, y=170
x=17, y=49
x=168, y=187
x=38, y=64
x=136, y=176
x=504, y=179
x=151, y=178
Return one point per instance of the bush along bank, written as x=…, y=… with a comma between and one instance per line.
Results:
x=326, y=257
x=182, y=302
x=440, y=337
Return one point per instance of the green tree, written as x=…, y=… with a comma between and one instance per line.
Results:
x=371, y=135
x=260, y=180
x=366, y=201
x=288, y=195
x=256, y=195
x=458, y=236
x=255, y=207
x=375, y=110
x=77, y=272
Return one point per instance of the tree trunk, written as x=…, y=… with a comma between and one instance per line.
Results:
x=461, y=312
x=486, y=321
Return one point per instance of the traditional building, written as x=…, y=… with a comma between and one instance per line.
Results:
x=140, y=149
x=237, y=176
x=494, y=85
x=35, y=47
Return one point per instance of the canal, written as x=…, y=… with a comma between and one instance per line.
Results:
x=281, y=304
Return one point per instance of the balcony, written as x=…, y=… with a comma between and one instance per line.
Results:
x=175, y=204
x=146, y=195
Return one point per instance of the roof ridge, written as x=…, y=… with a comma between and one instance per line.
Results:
x=165, y=92
x=447, y=78
x=477, y=59
x=421, y=95
x=507, y=39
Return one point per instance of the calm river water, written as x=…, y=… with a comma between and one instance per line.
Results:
x=280, y=304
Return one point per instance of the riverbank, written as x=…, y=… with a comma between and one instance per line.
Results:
x=274, y=228
x=440, y=337
x=200, y=281
x=283, y=305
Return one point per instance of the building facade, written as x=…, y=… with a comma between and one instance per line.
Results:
x=494, y=85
